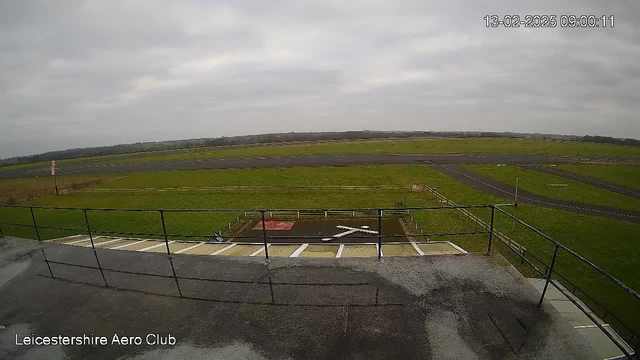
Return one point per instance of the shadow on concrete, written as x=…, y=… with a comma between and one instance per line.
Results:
x=410, y=308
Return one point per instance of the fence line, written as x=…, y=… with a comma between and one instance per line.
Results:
x=303, y=213
x=374, y=212
x=500, y=235
x=521, y=251
x=550, y=271
x=201, y=189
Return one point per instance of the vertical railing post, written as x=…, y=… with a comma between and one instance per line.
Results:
x=35, y=225
x=493, y=212
x=164, y=231
x=166, y=243
x=86, y=220
x=549, y=272
x=379, y=234
x=47, y=261
x=264, y=236
x=93, y=247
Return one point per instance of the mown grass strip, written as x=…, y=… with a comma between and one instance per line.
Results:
x=537, y=183
x=385, y=146
x=611, y=244
x=622, y=174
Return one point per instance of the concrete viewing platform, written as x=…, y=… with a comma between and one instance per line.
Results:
x=598, y=340
x=242, y=307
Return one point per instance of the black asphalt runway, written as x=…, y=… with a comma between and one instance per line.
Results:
x=285, y=161
x=497, y=188
x=243, y=308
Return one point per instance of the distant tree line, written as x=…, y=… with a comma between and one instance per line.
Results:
x=291, y=137
x=610, y=140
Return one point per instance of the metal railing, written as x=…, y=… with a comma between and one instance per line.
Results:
x=633, y=339
x=378, y=213
x=208, y=189
x=478, y=222
x=527, y=257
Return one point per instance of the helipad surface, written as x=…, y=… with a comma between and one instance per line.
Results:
x=307, y=250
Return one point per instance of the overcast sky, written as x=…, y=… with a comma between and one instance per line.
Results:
x=90, y=73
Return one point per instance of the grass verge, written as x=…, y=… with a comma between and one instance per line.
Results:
x=622, y=174
x=611, y=244
x=536, y=182
x=13, y=191
x=377, y=146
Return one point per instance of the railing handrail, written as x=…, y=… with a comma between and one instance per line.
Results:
x=578, y=256
x=245, y=187
x=521, y=251
x=378, y=211
x=261, y=210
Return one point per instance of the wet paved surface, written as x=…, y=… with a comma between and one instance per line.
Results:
x=282, y=161
x=429, y=307
x=602, y=343
x=494, y=187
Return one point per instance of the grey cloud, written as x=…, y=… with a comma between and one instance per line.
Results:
x=88, y=73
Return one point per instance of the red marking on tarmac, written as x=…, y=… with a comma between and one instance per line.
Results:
x=274, y=225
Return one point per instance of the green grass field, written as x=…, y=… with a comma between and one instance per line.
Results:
x=558, y=223
x=480, y=145
x=624, y=175
x=360, y=175
x=611, y=244
x=535, y=182
x=392, y=146
x=89, y=160
x=12, y=190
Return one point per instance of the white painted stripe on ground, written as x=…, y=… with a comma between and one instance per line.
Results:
x=619, y=357
x=340, y=250
x=65, y=238
x=381, y=254
x=104, y=242
x=125, y=245
x=260, y=251
x=155, y=246
x=457, y=247
x=189, y=248
x=587, y=326
x=299, y=250
x=417, y=248
x=223, y=249
x=349, y=232
x=77, y=241
x=356, y=229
